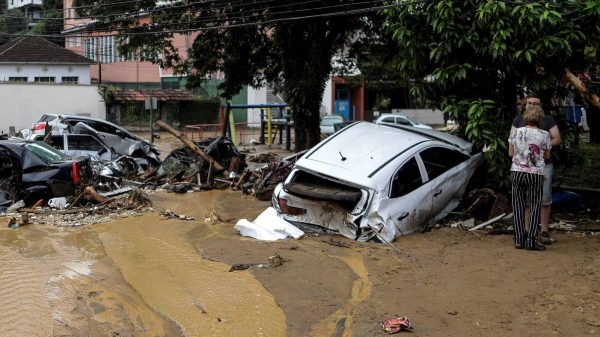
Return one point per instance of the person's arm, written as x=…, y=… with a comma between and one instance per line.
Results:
x=511, y=150
x=547, y=154
x=554, y=136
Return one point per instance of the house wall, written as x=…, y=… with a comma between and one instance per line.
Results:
x=425, y=116
x=45, y=70
x=255, y=96
x=20, y=3
x=327, y=103
x=23, y=104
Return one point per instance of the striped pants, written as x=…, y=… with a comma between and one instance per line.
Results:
x=527, y=190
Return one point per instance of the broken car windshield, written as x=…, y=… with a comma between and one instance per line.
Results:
x=46, y=153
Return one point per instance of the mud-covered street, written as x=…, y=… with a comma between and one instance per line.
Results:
x=151, y=276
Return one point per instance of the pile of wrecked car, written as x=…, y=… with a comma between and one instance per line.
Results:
x=74, y=164
x=366, y=182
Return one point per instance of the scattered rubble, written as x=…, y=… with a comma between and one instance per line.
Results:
x=172, y=215
x=395, y=325
x=274, y=262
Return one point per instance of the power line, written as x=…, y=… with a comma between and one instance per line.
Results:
x=224, y=26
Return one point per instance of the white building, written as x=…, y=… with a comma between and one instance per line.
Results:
x=31, y=8
x=36, y=60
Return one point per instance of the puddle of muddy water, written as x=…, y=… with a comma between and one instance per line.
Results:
x=341, y=321
x=158, y=260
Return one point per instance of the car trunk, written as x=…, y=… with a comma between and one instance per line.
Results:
x=319, y=201
x=317, y=188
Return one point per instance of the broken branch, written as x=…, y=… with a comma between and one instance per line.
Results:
x=190, y=144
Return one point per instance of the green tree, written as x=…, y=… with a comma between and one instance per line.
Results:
x=471, y=58
x=12, y=22
x=251, y=42
x=51, y=22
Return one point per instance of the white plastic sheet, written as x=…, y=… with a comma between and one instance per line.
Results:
x=268, y=226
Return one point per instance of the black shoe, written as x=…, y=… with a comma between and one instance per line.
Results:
x=545, y=238
x=518, y=246
x=537, y=247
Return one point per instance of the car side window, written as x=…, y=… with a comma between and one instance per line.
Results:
x=83, y=143
x=388, y=120
x=438, y=160
x=58, y=142
x=101, y=127
x=402, y=121
x=407, y=179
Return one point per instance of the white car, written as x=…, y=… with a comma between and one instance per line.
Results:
x=401, y=120
x=377, y=181
x=328, y=124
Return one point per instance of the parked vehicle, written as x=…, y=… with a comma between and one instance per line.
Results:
x=34, y=170
x=122, y=141
x=401, y=120
x=328, y=123
x=377, y=181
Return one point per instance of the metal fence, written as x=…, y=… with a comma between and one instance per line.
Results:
x=243, y=135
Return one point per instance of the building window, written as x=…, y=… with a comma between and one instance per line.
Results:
x=70, y=80
x=45, y=80
x=17, y=79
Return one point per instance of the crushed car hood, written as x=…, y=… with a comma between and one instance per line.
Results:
x=121, y=145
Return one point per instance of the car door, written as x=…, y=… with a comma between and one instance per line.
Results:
x=408, y=203
x=447, y=175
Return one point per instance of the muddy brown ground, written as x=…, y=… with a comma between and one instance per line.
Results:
x=150, y=276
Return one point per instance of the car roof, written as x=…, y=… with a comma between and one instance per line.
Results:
x=333, y=117
x=362, y=148
x=80, y=117
x=391, y=115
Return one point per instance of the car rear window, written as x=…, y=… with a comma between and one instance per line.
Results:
x=46, y=153
x=330, y=121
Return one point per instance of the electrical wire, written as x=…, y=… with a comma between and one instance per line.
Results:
x=223, y=26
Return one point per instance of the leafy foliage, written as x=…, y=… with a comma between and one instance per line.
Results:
x=51, y=23
x=472, y=58
x=12, y=21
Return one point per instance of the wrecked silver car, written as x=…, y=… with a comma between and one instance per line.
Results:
x=371, y=181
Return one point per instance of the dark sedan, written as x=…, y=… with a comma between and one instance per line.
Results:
x=31, y=171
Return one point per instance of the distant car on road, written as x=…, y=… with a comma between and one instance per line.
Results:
x=34, y=170
x=328, y=123
x=400, y=119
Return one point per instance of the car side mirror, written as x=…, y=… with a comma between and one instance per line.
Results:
x=102, y=151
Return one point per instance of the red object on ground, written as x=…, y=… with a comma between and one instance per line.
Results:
x=395, y=325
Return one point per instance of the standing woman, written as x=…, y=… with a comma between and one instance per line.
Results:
x=528, y=146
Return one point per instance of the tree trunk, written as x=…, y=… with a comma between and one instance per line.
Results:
x=592, y=111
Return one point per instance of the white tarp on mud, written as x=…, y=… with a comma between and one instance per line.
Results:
x=268, y=226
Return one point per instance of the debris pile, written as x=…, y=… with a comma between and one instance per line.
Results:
x=88, y=208
x=112, y=184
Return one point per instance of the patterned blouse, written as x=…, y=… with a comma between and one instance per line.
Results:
x=529, y=145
